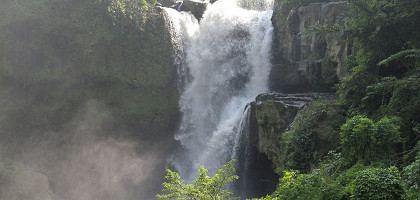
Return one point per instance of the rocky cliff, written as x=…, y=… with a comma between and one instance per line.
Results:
x=295, y=130
x=305, y=60
x=271, y=115
x=308, y=55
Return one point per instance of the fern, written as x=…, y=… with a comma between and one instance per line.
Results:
x=409, y=53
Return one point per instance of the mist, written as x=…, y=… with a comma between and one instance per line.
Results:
x=85, y=162
x=88, y=106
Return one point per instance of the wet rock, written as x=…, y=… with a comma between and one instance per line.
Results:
x=167, y=3
x=271, y=115
x=196, y=7
x=177, y=6
x=274, y=116
x=308, y=62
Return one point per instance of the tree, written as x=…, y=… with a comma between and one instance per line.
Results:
x=364, y=140
x=355, y=137
x=202, y=188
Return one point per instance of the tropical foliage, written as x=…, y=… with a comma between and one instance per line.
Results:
x=375, y=156
x=204, y=187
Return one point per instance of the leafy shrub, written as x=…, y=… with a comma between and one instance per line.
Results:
x=204, y=187
x=378, y=183
x=411, y=175
x=316, y=129
x=315, y=185
x=355, y=137
x=385, y=42
x=364, y=140
x=398, y=97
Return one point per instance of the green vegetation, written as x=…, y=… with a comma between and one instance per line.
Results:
x=204, y=187
x=313, y=135
x=378, y=183
x=376, y=140
x=412, y=179
x=366, y=144
x=364, y=140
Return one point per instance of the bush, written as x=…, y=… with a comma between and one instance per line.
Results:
x=378, y=183
x=316, y=129
x=204, y=187
x=411, y=175
x=364, y=140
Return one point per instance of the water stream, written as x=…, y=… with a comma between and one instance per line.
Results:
x=224, y=63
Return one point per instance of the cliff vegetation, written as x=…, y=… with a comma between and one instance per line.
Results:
x=368, y=137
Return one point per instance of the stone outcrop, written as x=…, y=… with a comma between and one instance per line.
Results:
x=196, y=7
x=274, y=116
x=308, y=62
x=271, y=115
x=167, y=3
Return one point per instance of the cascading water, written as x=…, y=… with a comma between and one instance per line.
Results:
x=226, y=65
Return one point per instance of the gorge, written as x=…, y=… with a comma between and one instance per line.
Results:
x=314, y=99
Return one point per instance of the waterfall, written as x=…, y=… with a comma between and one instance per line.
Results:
x=226, y=65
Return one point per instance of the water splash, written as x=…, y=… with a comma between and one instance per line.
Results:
x=257, y=4
x=181, y=27
x=227, y=63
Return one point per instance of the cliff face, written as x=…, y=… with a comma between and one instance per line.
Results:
x=304, y=61
x=295, y=130
x=271, y=115
x=55, y=58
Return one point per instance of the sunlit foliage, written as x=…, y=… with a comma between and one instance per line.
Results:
x=204, y=187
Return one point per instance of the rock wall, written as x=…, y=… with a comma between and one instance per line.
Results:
x=271, y=115
x=295, y=130
x=307, y=62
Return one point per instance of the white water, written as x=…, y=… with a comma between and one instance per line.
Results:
x=225, y=65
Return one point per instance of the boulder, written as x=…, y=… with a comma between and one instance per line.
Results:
x=196, y=7
x=271, y=115
x=177, y=6
x=167, y=3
